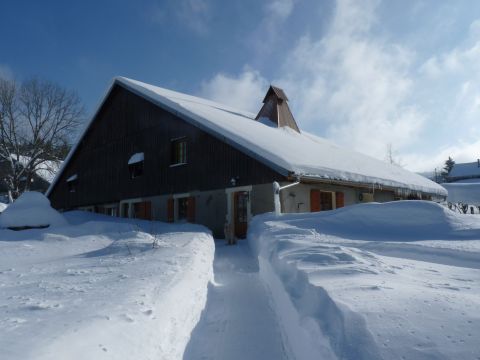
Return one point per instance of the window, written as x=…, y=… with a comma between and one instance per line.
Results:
x=135, y=165
x=135, y=170
x=72, y=183
x=179, y=151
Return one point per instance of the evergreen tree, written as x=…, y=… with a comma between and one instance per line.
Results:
x=448, y=167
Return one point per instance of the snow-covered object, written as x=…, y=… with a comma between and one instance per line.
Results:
x=465, y=169
x=3, y=206
x=31, y=209
x=47, y=170
x=100, y=290
x=463, y=192
x=339, y=297
x=283, y=149
x=136, y=158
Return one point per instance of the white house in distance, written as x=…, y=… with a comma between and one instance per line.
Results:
x=464, y=186
x=154, y=153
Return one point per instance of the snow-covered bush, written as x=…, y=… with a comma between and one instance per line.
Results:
x=31, y=210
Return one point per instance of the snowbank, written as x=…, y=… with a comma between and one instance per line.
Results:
x=99, y=289
x=31, y=209
x=343, y=290
x=463, y=192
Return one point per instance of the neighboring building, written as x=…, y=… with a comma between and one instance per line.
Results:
x=465, y=172
x=153, y=153
x=40, y=181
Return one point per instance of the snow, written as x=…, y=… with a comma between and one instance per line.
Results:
x=282, y=148
x=136, y=158
x=3, y=207
x=47, y=170
x=72, y=178
x=31, y=209
x=463, y=192
x=238, y=321
x=98, y=289
x=465, y=169
x=374, y=281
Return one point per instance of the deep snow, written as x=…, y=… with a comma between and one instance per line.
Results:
x=98, y=289
x=376, y=281
x=31, y=209
x=238, y=321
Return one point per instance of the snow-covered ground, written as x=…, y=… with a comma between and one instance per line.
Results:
x=374, y=281
x=98, y=289
x=238, y=321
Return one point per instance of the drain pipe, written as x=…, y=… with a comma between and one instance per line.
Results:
x=276, y=194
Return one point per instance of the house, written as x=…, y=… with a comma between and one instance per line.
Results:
x=465, y=172
x=40, y=181
x=463, y=185
x=153, y=153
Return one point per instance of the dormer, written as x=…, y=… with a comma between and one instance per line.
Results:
x=275, y=109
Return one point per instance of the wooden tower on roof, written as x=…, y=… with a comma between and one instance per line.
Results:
x=275, y=108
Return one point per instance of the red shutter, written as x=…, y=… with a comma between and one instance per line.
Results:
x=340, y=199
x=314, y=200
x=191, y=209
x=170, y=210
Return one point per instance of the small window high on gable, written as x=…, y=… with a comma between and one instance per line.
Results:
x=135, y=165
x=72, y=183
x=179, y=151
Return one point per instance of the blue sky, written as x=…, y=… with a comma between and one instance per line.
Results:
x=364, y=74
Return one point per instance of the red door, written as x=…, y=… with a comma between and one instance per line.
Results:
x=315, y=200
x=339, y=199
x=241, y=213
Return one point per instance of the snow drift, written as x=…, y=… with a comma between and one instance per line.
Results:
x=32, y=209
x=102, y=288
x=338, y=296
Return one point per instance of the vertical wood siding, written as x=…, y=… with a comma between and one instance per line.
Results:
x=128, y=124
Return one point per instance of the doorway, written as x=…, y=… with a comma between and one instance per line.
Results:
x=240, y=210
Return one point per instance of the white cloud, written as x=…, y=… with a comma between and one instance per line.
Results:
x=352, y=86
x=463, y=151
x=362, y=90
x=244, y=91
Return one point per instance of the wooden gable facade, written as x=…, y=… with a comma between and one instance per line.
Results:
x=128, y=124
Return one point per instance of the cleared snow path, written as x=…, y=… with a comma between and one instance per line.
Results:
x=238, y=322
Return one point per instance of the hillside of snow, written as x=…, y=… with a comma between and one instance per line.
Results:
x=374, y=281
x=102, y=288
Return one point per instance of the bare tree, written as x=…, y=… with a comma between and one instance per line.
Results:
x=37, y=120
x=391, y=157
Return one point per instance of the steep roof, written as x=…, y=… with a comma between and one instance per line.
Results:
x=471, y=169
x=283, y=149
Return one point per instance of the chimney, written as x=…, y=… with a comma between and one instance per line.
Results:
x=275, y=109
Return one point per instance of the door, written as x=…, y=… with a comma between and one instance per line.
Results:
x=142, y=210
x=241, y=213
x=314, y=200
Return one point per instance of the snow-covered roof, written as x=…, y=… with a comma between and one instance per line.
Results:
x=47, y=170
x=136, y=158
x=283, y=149
x=471, y=169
